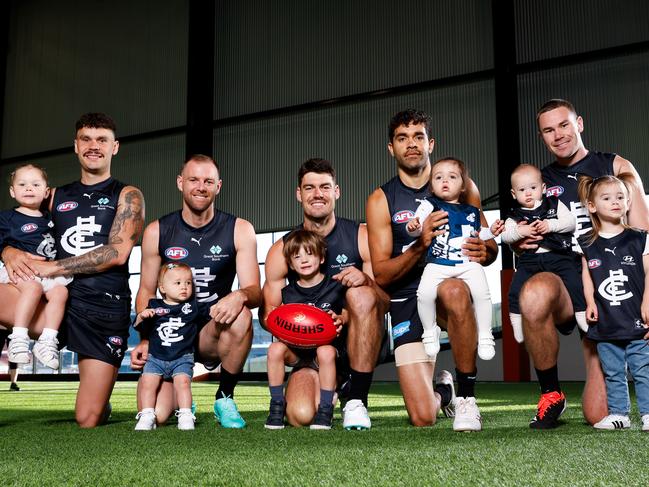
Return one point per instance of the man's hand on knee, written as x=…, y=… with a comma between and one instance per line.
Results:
x=228, y=308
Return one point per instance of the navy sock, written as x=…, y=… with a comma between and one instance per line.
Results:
x=548, y=379
x=465, y=383
x=326, y=397
x=360, y=386
x=444, y=391
x=277, y=393
x=227, y=384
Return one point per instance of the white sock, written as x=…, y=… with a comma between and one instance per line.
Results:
x=517, y=325
x=20, y=331
x=184, y=411
x=148, y=411
x=49, y=333
x=580, y=317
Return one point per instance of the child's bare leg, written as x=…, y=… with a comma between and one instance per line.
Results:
x=56, y=297
x=29, y=298
x=183, y=390
x=278, y=356
x=47, y=348
x=149, y=390
x=327, y=374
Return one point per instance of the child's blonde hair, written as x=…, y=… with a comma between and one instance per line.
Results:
x=164, y=268
x=588, y=189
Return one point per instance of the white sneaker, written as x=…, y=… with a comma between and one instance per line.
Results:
x=486, y=347
x=467, y=415
x=615, y=422
x=185, y=419
x=145, y=421
x=445, y=377
x=18, y=350
x=645, y=422
x=47, y=351
x=355, y=416
x=430, y=339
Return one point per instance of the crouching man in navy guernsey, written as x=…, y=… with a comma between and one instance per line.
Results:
x=97, y=220
x=347, y=261
x=217, y=246
x=397, y=262
x=544, y=301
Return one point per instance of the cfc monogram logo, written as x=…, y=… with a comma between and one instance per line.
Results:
x=612, y=288
x=167, y=331
x=74, y=240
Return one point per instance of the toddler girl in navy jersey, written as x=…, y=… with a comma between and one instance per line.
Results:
x=170, y=324
x=27, y=228
x=305, y=252
x=615, y=263
x=444, y=258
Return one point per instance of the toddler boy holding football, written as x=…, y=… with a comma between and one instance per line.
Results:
x=304, y=252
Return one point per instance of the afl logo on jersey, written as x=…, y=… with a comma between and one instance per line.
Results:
x=29, y=227
x=67, y=206
x=554, y=191
x=403, y=216
x=176, y=253
x=594, y=263
x=117, y=341
x=162, y=311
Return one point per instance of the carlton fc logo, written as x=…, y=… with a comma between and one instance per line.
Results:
x=403, y=216
x=67, y=206
x=176, y=253
x=554, y=191
x=29, y=228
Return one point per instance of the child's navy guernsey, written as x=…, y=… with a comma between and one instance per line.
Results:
x=172, y=331
x=208, y=250
x=402, y=204
x=616, y=268
x=563, y=181
x=327, y=295
x=463, y=222
x=83, y=216
x=547, y=210
x=342, y=248
x=31, y=234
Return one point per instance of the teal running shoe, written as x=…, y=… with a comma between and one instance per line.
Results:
x=226, y=413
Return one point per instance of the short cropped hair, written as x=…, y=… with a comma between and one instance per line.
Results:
x=199, y=158
x=96, y=121
x=553, y=104
x=316, y=165
x=310, y=241
x=407, y=117
x=527, y=167
x=12, y=176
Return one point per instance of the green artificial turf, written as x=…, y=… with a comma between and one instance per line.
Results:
x=41, y=445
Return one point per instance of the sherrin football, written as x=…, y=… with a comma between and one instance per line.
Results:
x=301, y=325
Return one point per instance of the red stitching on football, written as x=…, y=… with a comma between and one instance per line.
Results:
x=301, y=325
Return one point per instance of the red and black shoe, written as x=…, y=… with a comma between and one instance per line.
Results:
x=551, y=407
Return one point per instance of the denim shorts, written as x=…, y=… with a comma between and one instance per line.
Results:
x=170, y=368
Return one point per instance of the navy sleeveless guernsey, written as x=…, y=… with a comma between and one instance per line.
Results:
x=402, y=204
x=562, y=182
x=342, y=248
x=31, y=234
x=547, y=210
x=208, y=250
x=83, y=216
x=615, y=265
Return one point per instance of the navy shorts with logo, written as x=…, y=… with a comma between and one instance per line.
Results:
x=406, y=325
x=97, y=328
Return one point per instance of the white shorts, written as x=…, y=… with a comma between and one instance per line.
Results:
x=47, y=282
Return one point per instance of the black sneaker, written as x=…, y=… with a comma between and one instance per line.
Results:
x=323, y=418
x=551, y=407
x=14, y=387
x=275, y=419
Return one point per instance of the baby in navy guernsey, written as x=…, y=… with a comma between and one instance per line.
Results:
x=29, y=229
x=540, y=215
x=170, y=324
x=444, y=258
x=305, y=252
x=615, y=266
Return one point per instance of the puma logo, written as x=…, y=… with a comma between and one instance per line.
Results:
x=611, y=251
x=198, y=241
x=573, y=176
x=87, y=195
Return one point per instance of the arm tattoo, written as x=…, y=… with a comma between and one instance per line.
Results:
x=131, y=209
x=96, y=259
